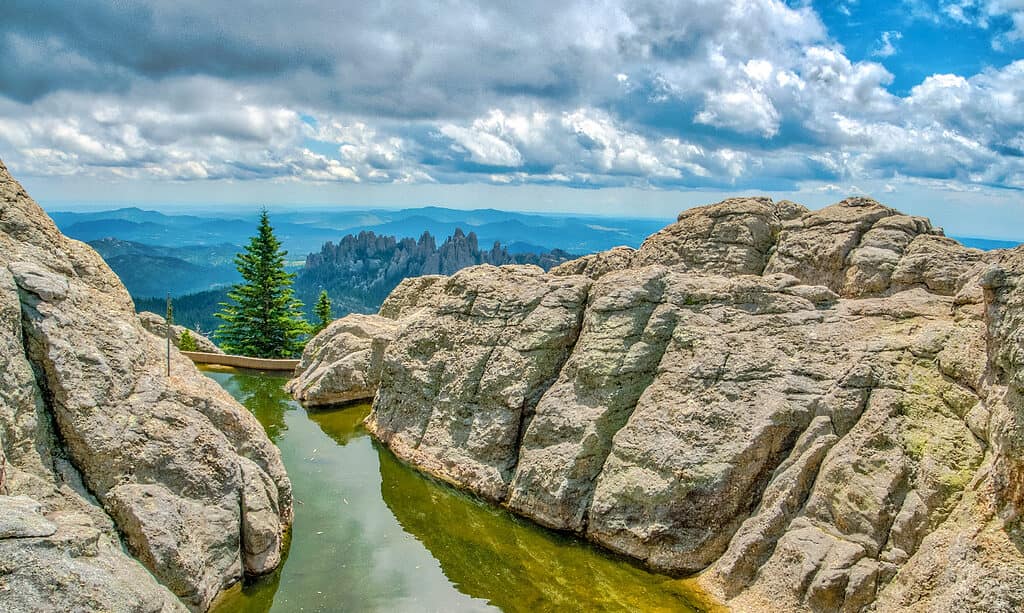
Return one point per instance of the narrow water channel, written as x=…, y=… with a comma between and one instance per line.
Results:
x=372, y=534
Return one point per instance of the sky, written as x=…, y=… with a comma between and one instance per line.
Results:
x=620, y=107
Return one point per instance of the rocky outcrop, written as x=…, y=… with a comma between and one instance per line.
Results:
x=103, y=455
x=734, y=237
x=815, y=411
x=158, y=326
x=597, y=264
x=510, y=346
x=972, y=561
x=343, y=363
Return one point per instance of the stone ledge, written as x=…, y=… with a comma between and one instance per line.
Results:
x=240, y=361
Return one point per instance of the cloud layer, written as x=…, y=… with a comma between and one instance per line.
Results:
x=639, y=93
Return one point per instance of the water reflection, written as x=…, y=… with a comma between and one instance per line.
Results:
x=262, y=393
x=371, y=534
x=491, y=554
x=341, y=425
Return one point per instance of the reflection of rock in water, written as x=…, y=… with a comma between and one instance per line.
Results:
x=342, y=425
x=254, y=594
x=490, y=554
x=264, y=395
x=359, y=585
x=364, y=583
x=331, y=538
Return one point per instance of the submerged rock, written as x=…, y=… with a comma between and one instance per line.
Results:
x=121, y=489
x=816, y=411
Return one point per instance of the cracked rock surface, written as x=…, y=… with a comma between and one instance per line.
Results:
x=121, y=489
x=811, y=410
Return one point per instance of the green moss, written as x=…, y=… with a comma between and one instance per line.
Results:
x=957, y=480
x=935, y=435
x=915, y=442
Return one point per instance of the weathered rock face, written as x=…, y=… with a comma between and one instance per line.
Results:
x=343, y=363
x=817, y=411
x=507, y=347
x=158, y=326
x=98, y=444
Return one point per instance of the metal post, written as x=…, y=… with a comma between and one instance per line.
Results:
x=170, y=317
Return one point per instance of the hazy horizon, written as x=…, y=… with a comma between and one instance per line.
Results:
x=243, y=209
x=250, y=210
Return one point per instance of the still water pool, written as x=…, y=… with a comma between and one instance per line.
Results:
x=372, y=534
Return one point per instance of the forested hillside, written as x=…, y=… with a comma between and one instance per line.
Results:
x=155, y=270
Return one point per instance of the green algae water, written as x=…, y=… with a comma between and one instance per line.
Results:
x=372, y=534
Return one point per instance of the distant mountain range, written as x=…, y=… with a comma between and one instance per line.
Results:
x=306, y=230
x=157, y=229
x=187, y=254
x=358, y=272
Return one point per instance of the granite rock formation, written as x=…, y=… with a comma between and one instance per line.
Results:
x=158, y=326
x=360, y=270
x=815, y=411
x=343, y=364
x=121, y=489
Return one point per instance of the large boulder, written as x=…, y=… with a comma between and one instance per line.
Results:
x=343, y=363
x=455, y=389
x=815, y=411
x=109, y=454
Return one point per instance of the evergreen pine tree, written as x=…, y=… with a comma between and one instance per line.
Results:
x=186, y=342
x=263, y=318
x=322, y=310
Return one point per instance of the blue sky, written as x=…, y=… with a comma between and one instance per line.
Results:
x=625, y=107
x=925, y=38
